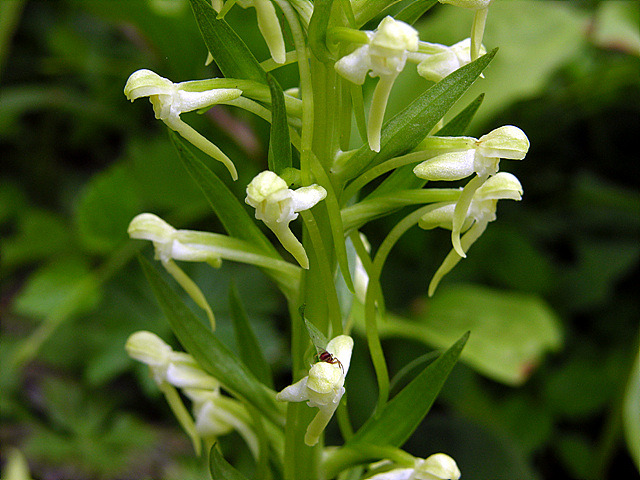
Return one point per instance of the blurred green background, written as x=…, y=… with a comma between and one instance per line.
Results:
x=79, y=161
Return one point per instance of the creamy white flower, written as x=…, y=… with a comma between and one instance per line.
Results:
x=277, y=205
x=216, y=415
x=436, y=467
x=483, y=205
x=480, y=156
x=168, y=247
x=445, y=60
x=384, y=56
x=477, y=216
x=323, y=387
x=481, y=9
x=170, y=100
x=168, y=366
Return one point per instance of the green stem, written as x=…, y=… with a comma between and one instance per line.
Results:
x=306, y=89
x=373, y=339
x=362, y=212
x=384, y=167
x=324, y=264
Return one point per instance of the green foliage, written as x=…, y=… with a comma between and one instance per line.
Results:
x=209, y=352
x=221, y=469
x=404, y=412
x=511, y=332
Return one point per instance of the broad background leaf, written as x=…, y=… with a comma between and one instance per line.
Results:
x=510, y=332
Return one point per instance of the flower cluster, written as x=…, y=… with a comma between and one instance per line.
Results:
x=385, y=55
x=354, y=55
x=459, y=158
x=215, y=414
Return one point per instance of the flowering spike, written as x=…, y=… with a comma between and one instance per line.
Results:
x=170, y=100
x=276, y=205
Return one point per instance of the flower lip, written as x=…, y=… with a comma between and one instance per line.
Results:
x=507, y=142
x=143, y=83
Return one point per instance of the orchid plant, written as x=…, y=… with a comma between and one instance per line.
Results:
x=319, y=171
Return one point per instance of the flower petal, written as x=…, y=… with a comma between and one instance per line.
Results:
x=448, y=166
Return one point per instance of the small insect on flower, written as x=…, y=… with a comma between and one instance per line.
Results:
x=325, y=356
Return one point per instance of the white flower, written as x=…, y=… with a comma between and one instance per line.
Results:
x=168, y=366
x=216, y=415
x=168, y=247
x=481, y=9
x=170, y=100
x=445, y=60
x=467, y=156
x=481, y=211
x=481, y=156
x=323, y=387
x=385, y=55
x=277, y=205
x=436, y=467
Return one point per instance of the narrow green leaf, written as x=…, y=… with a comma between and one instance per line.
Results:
x=404, y=132
x=404, y=412
x=410, y=371
x=318, y=30
x=279, y=141
x=403, y=178
x=335, y=221
x=227, y=207
x=212, y=355
x=228, y=50
x=412, y=12
x=458, y=125
x=249, y=347
x=220, y=469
